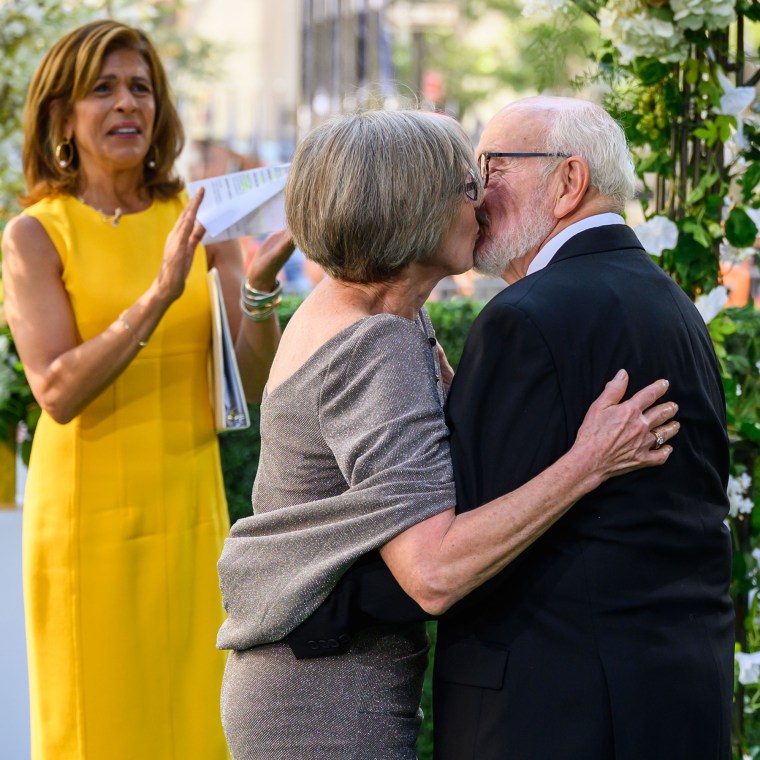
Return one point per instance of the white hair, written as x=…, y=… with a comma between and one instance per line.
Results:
x=587, y=130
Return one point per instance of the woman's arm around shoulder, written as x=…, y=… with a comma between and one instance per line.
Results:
x=441, y=559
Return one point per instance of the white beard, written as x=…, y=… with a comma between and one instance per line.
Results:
x=534, y=225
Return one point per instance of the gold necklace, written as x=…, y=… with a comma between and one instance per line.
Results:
x=112, y=218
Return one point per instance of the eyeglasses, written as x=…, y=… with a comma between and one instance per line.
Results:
x=472, y=187
x=484, y=159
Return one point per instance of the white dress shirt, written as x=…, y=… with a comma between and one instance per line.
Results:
x=546, y=254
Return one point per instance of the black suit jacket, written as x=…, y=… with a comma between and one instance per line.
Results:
x=612, y=636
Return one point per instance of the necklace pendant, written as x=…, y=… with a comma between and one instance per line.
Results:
x=113, y=219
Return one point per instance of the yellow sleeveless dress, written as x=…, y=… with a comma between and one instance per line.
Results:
x=124, y=519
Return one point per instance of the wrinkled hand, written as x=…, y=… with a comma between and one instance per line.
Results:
x=179, y=250
x=269, y=259
x=618, y=438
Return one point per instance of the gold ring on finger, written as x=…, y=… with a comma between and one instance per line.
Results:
x=658, y=439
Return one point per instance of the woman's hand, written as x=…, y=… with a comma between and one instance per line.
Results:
x=179, y=250
x=616, y=438
x=269, y=259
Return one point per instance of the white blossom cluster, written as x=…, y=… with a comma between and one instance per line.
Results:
x=708, y=14
x=657, y=234
x=738, y=499
x=543, y=8
x=638, y=30
x=709, y=305
x=631, y=27
x=749, y=667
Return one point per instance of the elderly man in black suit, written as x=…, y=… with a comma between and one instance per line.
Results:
x=611, y=637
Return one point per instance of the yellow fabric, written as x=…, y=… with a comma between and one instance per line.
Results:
x=124, y=519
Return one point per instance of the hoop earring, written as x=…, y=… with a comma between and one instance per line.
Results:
x=64, y=153
x=151, y=162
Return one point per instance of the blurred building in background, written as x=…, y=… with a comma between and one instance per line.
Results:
x=284, y=67
x=245, y=114
x=346, y=58
x=347, y=55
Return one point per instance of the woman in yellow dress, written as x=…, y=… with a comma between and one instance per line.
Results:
x=125, y=514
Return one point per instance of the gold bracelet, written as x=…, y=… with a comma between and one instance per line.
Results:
x=259, y=313
x=128, y=328
x=258, y=299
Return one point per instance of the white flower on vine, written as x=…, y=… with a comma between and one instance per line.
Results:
x=754, y=215
x=737, y=142
x=15, y=28
x=657, y=234
x=734, y=99
x=696, y=14
x=734, y=102
x=749, y=667
x=543, y=7
x=631, y=27
x=739, y=502
x=712, y=303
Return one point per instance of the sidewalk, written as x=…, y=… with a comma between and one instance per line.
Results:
x=14, y=692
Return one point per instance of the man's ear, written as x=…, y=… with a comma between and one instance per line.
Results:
x=573, y=179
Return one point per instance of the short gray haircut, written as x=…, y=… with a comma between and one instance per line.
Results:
x=587, y=130
x=370, y=193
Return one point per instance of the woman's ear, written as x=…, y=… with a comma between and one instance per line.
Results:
x=574, y=177
x=56, y=112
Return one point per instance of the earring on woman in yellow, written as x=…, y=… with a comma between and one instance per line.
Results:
x=64, y=153
x=152, y=162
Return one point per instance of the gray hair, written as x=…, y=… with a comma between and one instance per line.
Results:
x=587, y=130
x=370, y=193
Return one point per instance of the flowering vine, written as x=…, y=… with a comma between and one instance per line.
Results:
x=679, y=77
